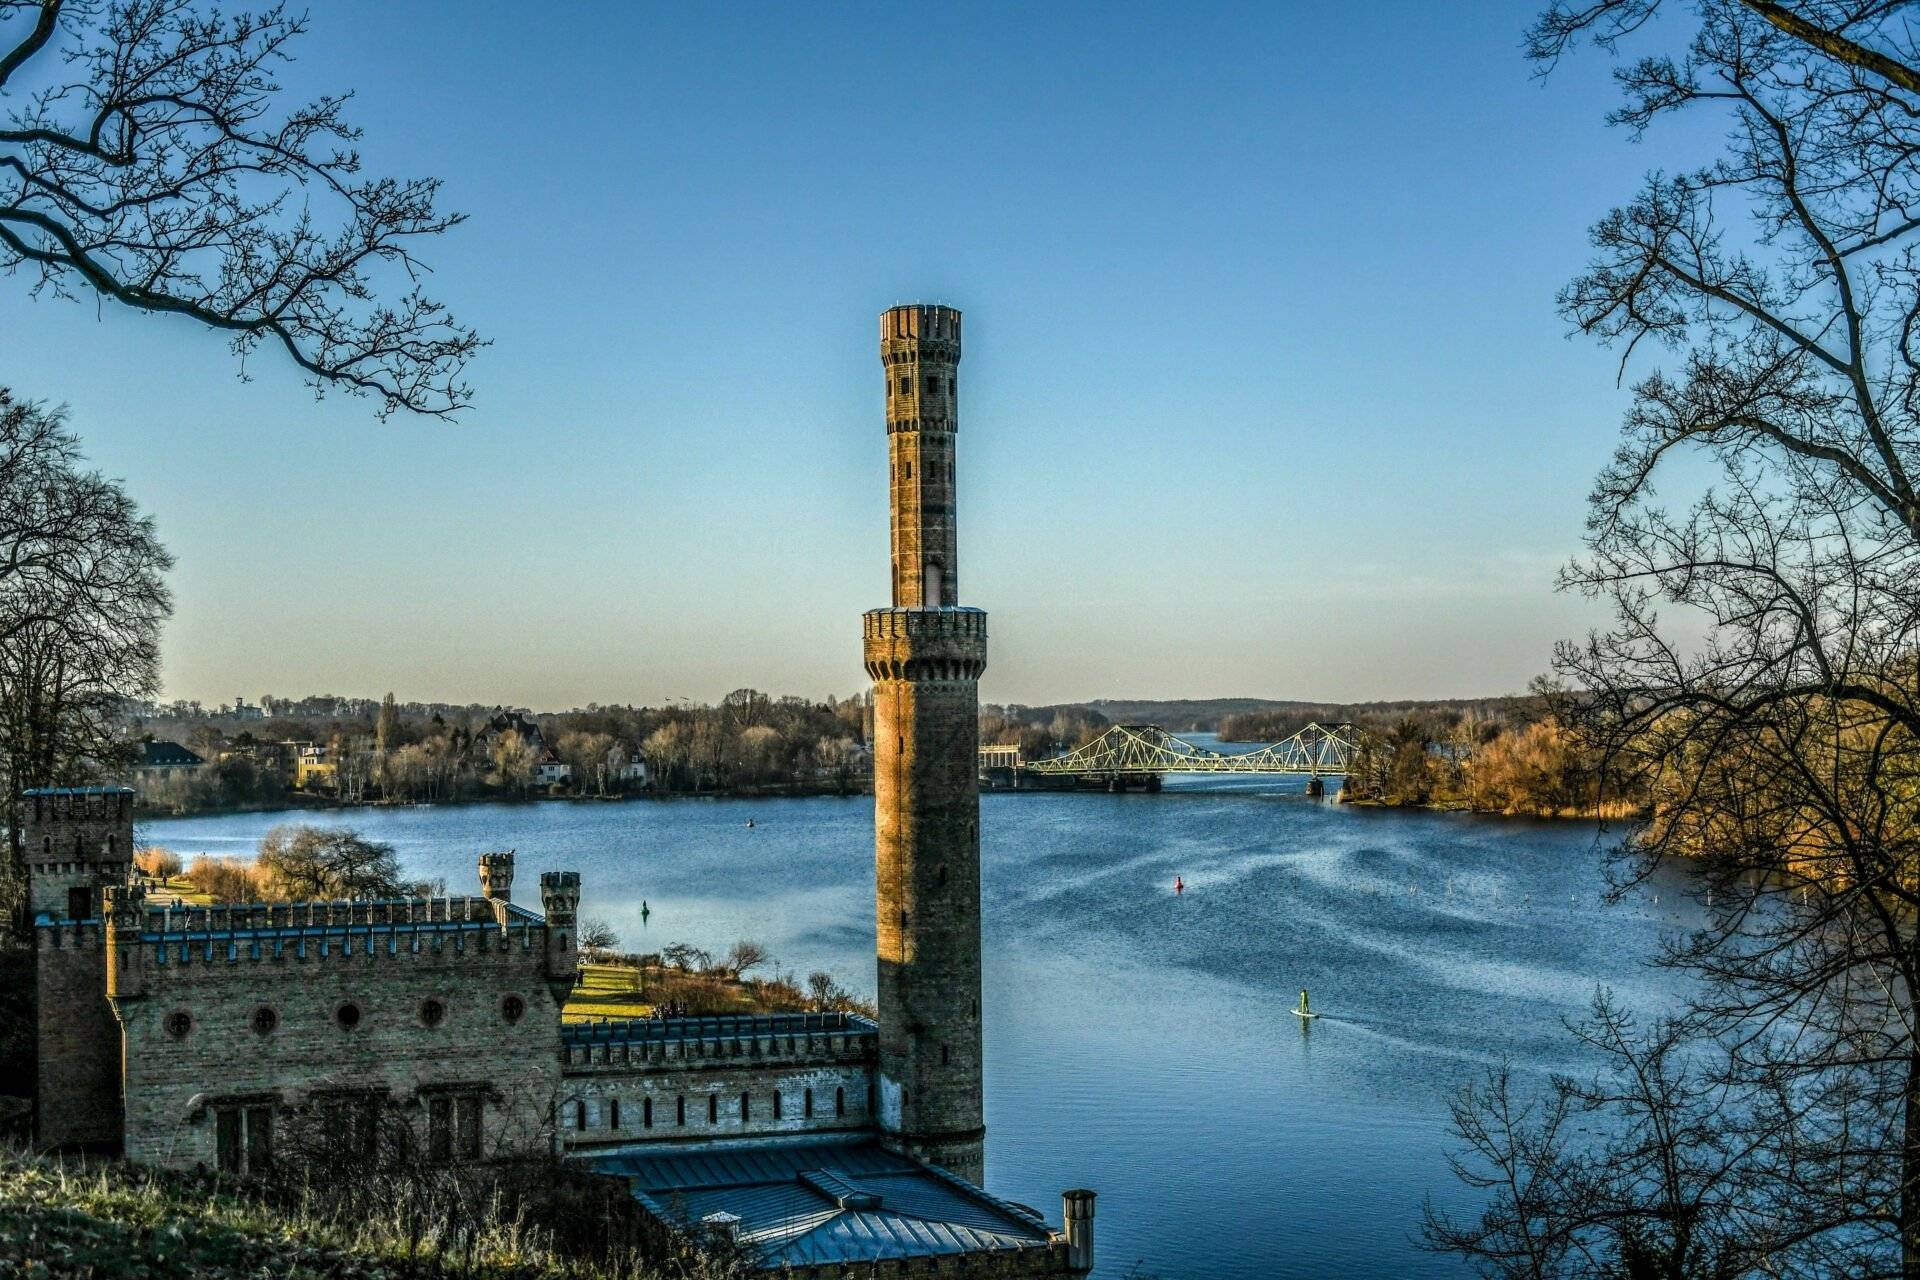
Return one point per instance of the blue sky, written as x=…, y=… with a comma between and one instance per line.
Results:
x=1264, y=391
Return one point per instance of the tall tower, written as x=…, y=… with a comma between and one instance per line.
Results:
x=925, y=655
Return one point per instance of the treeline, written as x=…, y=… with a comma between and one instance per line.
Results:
x=1040, y=732
x=1437, y=716
x=750, y=742
x=1524, y=761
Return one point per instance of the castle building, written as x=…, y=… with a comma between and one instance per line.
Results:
x=824, y=1144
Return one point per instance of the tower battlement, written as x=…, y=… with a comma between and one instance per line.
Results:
x=76, y=841
x=926, y=644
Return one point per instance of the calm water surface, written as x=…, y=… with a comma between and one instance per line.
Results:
x=1140, y=1043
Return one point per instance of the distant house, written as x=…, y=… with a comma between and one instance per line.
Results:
x=550, y=769
x=629, y=767
x=312, y=768
x=160, y=761
x=505, y=722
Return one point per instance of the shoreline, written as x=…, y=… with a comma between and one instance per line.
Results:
x=321, y=804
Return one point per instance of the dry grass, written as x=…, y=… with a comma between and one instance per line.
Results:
x=101, y=1220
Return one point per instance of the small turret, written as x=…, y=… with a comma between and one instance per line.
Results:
x=496, y=876
x=560, y=900
x=126, y=950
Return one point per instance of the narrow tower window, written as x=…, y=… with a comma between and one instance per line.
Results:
x=806, y=1104
x=680, y=1111
x=840, y=1102
x=746, y=1106
x=713, y=1108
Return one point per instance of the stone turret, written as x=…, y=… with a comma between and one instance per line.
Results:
x=126, y=919
x=925, y=656
x=560, y=900
x=496, y=876
x=76, y=841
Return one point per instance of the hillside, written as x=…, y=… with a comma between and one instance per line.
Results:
x=1213, y=715
x=97, y=1220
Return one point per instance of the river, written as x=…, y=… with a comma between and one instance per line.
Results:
x=1139, y=1042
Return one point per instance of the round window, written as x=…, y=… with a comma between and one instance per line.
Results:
x=179, y=1023
x=433, y=1013
x=513, y=1008
x=347, y=1015
x=265, y=1020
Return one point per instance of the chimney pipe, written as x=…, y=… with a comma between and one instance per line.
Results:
x=1077, y=1210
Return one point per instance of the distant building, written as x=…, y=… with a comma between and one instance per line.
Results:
x=628, y=766
x=503, y=723
x=312, y=768
x=241, y=711
x=160, y=761
x=550, y=770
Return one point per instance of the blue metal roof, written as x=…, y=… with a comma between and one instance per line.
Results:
x=806, y=1201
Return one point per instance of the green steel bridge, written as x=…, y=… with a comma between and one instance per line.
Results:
x=1143, y=753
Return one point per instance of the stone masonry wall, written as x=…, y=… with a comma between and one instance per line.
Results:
x=228, y=1048
x=81, y=838
x=77, y=1101
x=611, y=1106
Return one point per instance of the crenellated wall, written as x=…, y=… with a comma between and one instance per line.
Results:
x=684, y=1079
x=283, y=1005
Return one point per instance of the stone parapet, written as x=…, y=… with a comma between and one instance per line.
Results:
x=786, y=1038
x=926, y=644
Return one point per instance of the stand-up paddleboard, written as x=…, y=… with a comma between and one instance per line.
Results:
x=1305, y=1010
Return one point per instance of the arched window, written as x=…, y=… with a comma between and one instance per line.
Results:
x=613, y=1113
x=580, y=1114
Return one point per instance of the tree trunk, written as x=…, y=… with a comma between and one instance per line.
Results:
x=1910, y=1175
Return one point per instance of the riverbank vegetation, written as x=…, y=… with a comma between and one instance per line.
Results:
x=1525, y=763
x=346, y=751
x=1760, y=675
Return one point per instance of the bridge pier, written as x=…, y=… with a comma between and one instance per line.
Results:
x=1316, y=786
x=1153, y=783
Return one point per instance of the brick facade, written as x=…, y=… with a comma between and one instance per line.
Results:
x=77, y=1086
x=296, y=1005
x=925, y=656
x=684, y=1080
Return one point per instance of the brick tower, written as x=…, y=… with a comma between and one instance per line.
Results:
x=78, y=846
x=925, y=655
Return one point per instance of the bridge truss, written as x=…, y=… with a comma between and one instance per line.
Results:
x=1147, y=750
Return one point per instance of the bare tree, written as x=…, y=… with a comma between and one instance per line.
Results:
x=304, y=862
x=1760, y=678
x=745, y=955
x=82, y=597
x=146, y=157
x=597, y=936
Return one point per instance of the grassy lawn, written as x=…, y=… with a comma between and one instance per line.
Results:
x=621, y=991
x=606, y=991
